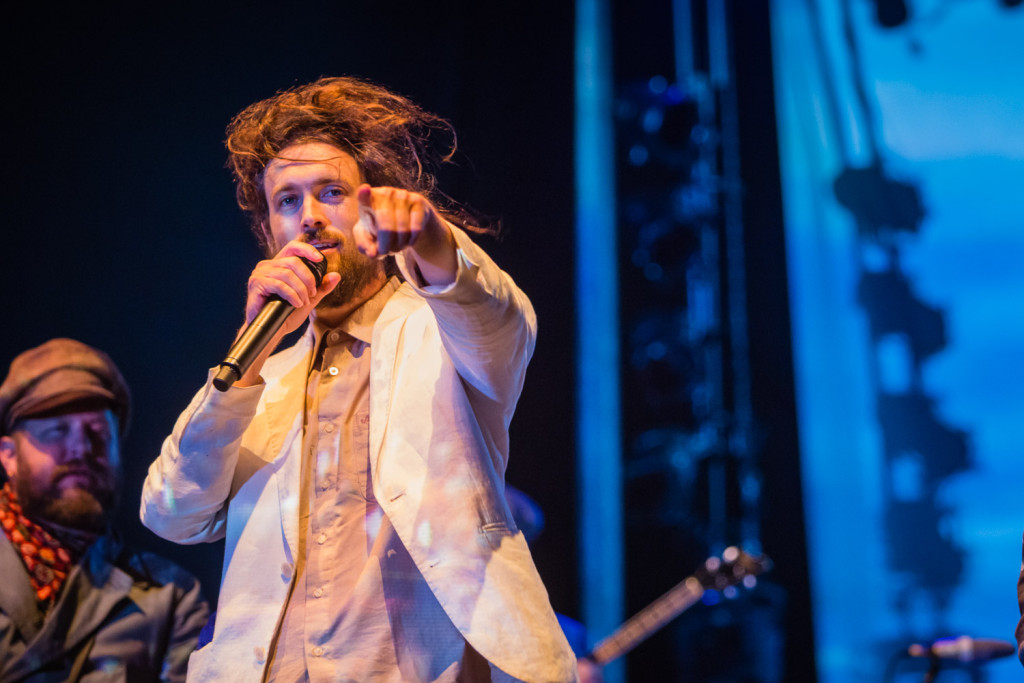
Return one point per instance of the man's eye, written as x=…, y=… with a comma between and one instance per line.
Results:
x=333, y=193
x=54, y=433
x=100, y=429
x=286, y=201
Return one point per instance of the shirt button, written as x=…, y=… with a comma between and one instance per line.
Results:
x=318, y=593
x=333, y=337
x=261, y=654
x=332, y=370
x=321, y=539
x=328, y=428
x=286, y=571
x=318, y=651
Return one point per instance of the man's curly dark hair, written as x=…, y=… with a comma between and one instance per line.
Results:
x=394, y=142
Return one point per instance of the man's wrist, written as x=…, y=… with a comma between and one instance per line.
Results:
x=435, y=254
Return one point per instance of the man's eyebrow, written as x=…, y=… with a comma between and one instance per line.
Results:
x=277, y=189
x=322, y=180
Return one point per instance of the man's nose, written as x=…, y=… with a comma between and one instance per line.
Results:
x=312, y=215
x=80, y=445
x=87, y=444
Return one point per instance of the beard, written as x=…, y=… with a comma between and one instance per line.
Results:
x=357, y=272
x=82, y=506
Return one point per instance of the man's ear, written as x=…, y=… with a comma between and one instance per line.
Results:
x=9, y=456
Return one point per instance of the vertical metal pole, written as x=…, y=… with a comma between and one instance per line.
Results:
x=740, y=446
x=682, y=33
x=599, y=458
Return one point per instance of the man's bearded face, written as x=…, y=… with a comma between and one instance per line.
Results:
x=68, y=468
x=311, y=196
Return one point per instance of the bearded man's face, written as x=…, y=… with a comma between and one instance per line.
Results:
x=65, y=468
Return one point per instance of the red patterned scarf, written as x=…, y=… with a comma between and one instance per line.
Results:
x=47, y=561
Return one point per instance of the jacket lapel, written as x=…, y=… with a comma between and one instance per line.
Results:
x=386, y=348
x=285, y=402
x=17, y=598
x=94, y=589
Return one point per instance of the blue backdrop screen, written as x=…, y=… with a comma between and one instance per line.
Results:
x=902, y=152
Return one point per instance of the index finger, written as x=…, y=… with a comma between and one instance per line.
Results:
x=297, y=247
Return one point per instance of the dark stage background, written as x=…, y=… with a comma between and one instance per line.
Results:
x=121, y=230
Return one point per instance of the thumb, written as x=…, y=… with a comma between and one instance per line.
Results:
x=364, y=193
x=365, y=229
x=329, y=282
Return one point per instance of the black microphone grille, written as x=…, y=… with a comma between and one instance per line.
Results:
x=318, y=268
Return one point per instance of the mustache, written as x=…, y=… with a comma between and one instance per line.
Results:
x=97, y=473
x=324, y=235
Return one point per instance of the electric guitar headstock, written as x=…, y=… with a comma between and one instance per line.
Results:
x=733, y=568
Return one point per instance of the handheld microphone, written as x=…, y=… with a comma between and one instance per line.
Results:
x=259, y=332
x=964, y=649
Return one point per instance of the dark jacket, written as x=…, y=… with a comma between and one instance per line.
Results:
x=121, y=616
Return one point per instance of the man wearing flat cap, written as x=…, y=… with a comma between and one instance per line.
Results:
x=75, y=605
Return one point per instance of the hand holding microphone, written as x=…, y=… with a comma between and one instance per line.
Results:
x=292, y=290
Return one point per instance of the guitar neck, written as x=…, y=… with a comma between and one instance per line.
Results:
x=648, y=620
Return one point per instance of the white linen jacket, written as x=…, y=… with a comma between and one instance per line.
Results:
x=446, y=372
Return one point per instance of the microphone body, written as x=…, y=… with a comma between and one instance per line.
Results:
x=259, y=332
x=964, y=649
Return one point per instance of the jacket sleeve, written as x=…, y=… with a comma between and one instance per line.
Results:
x=184, y=497
x=487, y=325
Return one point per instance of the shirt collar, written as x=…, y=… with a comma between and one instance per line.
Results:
x=359, y=323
